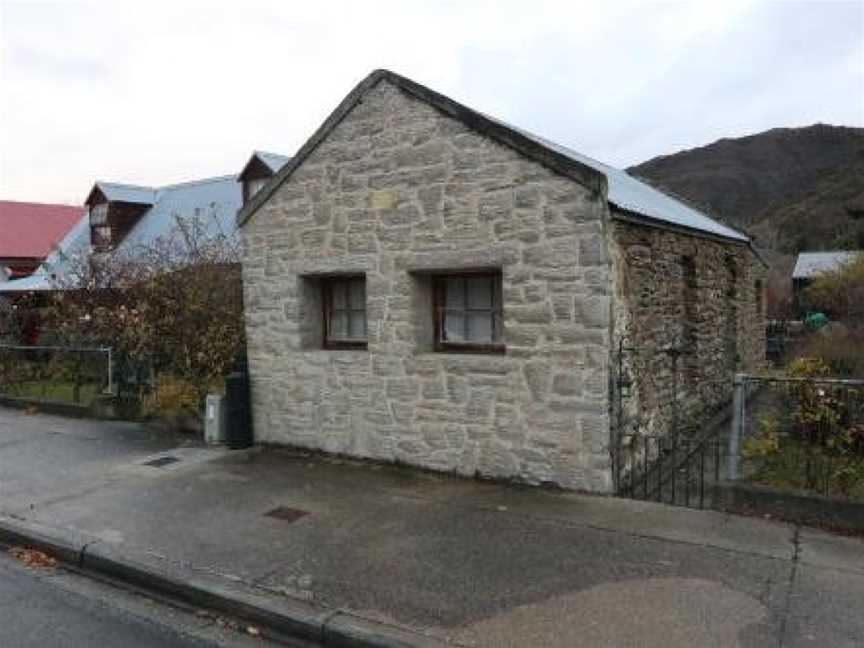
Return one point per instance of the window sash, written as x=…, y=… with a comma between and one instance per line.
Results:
x=101, y=237
x=468, y=312
x=255, y=185
x=99, y=214
x=345, y=323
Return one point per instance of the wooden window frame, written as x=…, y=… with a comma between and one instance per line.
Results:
x=439, y=308
x=327, y=284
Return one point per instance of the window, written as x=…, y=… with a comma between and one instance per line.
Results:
x=689, y=297
x=468, y=313
x=99, y=214
x=731, y=308
x=101, y=237
x=253, y=186
x=344, y=301
x=757, y=288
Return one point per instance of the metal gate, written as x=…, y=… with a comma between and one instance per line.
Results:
x=669, y=469
x=673, y=466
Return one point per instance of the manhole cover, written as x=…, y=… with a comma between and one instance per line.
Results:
x=286, y=513
x=161, y=461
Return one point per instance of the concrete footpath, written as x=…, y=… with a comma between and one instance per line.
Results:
x=374, y=554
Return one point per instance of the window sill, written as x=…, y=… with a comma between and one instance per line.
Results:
x=472, y=349
x=345, y=346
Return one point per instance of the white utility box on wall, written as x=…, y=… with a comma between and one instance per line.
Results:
x=214, y=419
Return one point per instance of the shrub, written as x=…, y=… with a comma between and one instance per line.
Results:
x=840, y=347
x=173, y=399
x=841, y=292
x=174, y=306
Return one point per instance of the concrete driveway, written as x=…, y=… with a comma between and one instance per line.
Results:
x=477, y=564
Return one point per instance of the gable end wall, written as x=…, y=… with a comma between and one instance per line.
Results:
x=398, y=190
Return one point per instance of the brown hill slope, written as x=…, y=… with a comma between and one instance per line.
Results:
x=794, y=188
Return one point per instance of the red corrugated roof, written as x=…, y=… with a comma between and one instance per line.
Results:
x=31, y=230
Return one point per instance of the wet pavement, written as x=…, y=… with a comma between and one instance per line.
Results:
x=475, y=563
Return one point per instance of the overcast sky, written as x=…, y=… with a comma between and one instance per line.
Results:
x=155, y=94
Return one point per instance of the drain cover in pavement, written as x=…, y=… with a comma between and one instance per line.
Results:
x=287, y=514
x=161, y=461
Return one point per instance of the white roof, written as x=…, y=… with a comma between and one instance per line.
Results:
x=632, y=195
x=810, y=264
x=274, y=161
x=211, y=203
x=118, y=192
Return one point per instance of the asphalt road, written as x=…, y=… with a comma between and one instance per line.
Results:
x=49, y=608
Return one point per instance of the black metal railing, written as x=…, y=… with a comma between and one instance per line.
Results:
x=670, y=469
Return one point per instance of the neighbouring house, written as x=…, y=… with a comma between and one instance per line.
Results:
x=122, y=218
x=428, y=285
x=29, y=232
x=808, y=266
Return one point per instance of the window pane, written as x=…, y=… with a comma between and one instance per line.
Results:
x=339, y=325
x=99, y=214
x=357, y=289
x=454, y=327
x=256, y=185
x=338, y=289
x=357, y=324
x=480, y=327
x=455, y=289
x=480, y=292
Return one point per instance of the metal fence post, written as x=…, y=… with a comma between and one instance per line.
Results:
x=110, y=371
x=734, y=461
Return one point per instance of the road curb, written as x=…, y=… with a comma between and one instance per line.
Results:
x=286, y=617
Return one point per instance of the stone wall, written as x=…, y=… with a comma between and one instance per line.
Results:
x=398, y=191
x=689, y=309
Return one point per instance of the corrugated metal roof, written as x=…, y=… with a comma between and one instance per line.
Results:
x=48, y=276
x=118, y=192
x=274, y=161
x=632, y=195
x=32, y=230
x=212, y=203
x=810, y=264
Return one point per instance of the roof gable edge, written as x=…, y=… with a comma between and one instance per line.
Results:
x=498, y=132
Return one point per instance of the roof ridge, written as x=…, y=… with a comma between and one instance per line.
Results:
x=232, y=176
x=125, y=185
x=157, y=188
x=41, y=204
x=260, y=152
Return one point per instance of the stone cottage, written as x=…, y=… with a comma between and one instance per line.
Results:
x=428, y=285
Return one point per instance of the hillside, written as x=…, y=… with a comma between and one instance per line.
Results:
x=793, y=188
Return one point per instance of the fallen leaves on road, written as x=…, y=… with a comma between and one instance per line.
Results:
x=32, y=557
